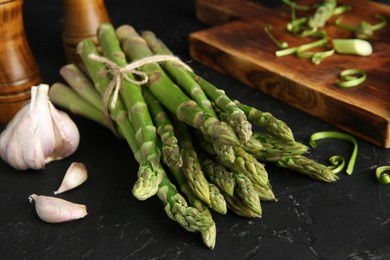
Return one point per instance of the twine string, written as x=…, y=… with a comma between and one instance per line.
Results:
x=119, y=74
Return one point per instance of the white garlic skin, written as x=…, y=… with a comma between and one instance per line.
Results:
x=67, y=135
x=75, y=175
x=55, y=210
x=38, y=134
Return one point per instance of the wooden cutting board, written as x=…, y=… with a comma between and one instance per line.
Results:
x=238, y=46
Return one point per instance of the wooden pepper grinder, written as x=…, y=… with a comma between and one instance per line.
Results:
x=18, y=68
x=81, y=21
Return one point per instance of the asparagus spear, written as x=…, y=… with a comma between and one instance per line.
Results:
x=251, y=144
x=147, y=182
x=170, y=149
x=276, y=148
x=217, y=174
x=190, y=86
x=308, y=167
x=66, y=97
x=234, y=115
x=191, y=167
x=191, y=218
x=247, y=164
x=244, y=163
x=236, y=205
x=169, y=94
x=179, y=73
x=273, y=125
x=177, y=209
x=217, y=201
x=82, y=85
x=246, y=192
x=208, y=235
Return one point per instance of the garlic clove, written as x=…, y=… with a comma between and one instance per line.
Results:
x=66, y=133
x=41, y=112
x=55, y=210
x=74, y=176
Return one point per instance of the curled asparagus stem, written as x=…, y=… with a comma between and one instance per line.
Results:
x=338, y=135
x=162, y=87
x=382, y=174
x=266, y=120
x=169, y=148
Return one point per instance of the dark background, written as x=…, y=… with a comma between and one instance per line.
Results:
x=349, y=219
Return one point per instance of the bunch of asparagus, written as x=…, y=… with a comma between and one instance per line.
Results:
x=182, y=130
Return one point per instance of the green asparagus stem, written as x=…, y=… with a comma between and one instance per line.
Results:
x=119, y=114
x=177, y=209
x=266, y=120
x=179, y=73
x=171, y=95
x=191, y=167
x=170, y=149
x=217, y=174
x=82, y=85
x=246, y=192
x=322, y=14
x=234, y=115
x=308, y=167
x=64, y=96
x=145, y=131
x=208, y=235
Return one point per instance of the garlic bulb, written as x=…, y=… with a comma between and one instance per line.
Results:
x=38, y=134
x=55, y=210
x=74, y=176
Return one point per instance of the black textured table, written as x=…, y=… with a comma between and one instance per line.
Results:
x=348, y=219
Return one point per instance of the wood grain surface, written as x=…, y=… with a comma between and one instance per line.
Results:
x=18, y=67
x=238, y=46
